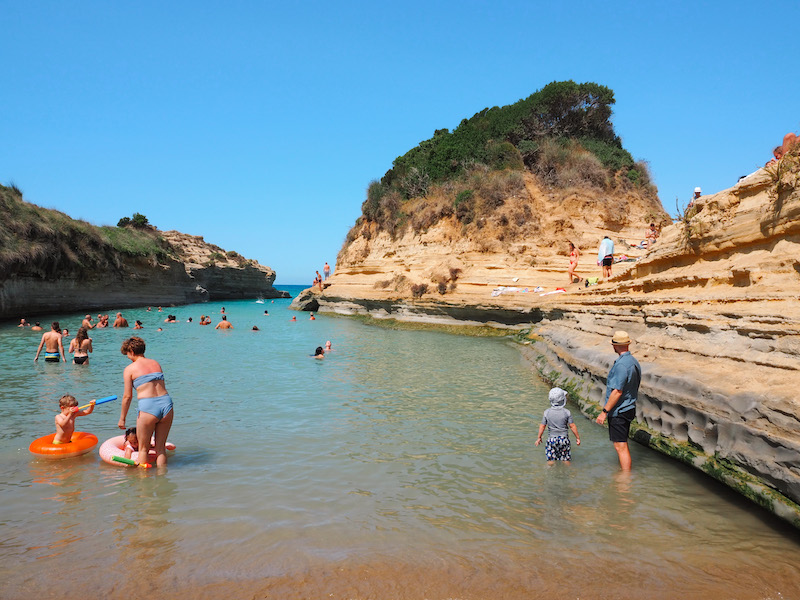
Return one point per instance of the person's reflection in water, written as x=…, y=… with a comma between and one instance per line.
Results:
x=146, y=539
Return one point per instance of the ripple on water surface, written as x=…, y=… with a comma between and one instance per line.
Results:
x=402, y=465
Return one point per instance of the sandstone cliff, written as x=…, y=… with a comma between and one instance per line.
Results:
x=52, y=263
x=712, y=308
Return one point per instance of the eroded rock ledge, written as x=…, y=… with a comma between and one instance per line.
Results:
x=201, y=272
x=712, y=309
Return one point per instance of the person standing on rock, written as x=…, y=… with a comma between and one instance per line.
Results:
x=622, y=390
x=574, y=254
x=605, y=256
x=326, y=270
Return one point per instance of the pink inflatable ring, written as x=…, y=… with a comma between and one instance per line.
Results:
x=115, y=446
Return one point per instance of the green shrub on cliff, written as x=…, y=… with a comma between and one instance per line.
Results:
x=562, y=133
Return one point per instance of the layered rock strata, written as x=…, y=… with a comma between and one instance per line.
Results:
x=200, y=272
x=712, y=308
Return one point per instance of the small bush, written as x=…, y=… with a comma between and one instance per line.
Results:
x=441, y=287
x=455, y=273
x=419, y=289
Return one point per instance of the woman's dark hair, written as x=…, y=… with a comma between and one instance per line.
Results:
x=129, y=431
x=135, y=345
x=56, y=326
x=81, y=335
x=319, y=351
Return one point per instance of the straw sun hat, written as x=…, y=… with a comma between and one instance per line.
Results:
x=621, y=338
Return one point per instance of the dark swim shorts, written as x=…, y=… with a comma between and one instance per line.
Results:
x=619, y=427
x=608, y=261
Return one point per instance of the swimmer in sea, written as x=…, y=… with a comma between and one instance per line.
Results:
x=255, y=328
x=293, y=319
x=328, y=346
x=319, y=352
x=65, y=420
x=224, y=324
x=312, y=318
x=80, y=347
x=146, y=376
x=23, y=323
x=52, y=344
x=138, y=325
x=36, y=327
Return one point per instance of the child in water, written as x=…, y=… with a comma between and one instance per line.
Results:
x=557, y=418
x=65, y=422
x=131, y=442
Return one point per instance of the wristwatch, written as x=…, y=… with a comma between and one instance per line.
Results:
x=605, y=410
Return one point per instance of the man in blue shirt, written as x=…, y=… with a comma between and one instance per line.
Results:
x=622, y=389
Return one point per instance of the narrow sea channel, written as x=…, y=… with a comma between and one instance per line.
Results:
x=400, y=466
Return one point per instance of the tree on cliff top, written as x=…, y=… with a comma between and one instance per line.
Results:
x=138, y=221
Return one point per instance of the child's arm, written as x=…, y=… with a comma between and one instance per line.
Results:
x=575, y=431
x=83, y=413
x=541, y=431
x=61, y=420
x=128, y=451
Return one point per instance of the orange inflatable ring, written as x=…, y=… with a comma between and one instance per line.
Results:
x=81, y=443
x=115, y=446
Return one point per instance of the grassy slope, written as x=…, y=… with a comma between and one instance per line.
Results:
x=47, y=243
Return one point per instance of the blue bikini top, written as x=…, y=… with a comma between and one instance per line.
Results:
x=148, y=377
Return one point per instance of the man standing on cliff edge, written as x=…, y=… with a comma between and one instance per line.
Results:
x=622, y=389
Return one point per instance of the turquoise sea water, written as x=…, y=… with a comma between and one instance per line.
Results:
x=400, y=466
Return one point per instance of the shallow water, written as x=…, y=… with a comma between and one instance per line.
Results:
x=401, y=466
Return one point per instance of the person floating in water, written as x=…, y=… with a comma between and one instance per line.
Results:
x=557, y=419
x=319, y=352
x=65, y=420
x=131, y=442
x=53, y=345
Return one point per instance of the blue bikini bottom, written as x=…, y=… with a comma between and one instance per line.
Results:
x=159, y=407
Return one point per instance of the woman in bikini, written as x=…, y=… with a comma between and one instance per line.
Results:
x=80, y=347
x=573, y=262
x=155, y=404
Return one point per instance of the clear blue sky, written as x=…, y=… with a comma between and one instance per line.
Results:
x=259, y=125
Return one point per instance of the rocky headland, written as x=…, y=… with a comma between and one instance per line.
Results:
x=712, y=308
x=53, y=263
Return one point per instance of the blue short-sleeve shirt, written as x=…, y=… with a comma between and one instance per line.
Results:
x=625, y=375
